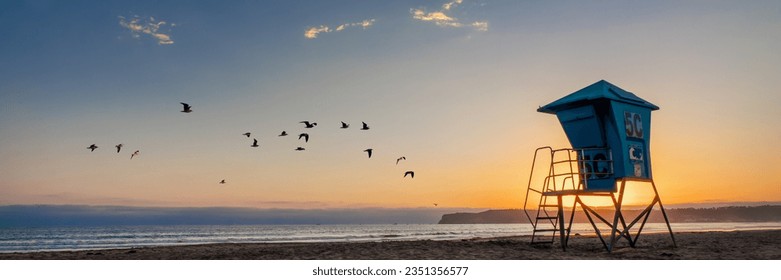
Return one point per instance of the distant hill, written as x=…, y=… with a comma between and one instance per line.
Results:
x=767, y=213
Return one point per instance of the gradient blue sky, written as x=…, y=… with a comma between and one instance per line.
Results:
x=458, y=101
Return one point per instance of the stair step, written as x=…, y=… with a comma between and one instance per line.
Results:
x=547, y=229
x=547, y=218
x=549, y=205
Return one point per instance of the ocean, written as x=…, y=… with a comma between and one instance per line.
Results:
x=29, y=239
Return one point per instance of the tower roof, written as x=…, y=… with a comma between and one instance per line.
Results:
x=599, y=90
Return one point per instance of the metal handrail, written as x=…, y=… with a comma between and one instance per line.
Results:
x=529, y=185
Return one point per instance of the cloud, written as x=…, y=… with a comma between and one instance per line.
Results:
x=138, y=26
x=441, y=17
x=480, y=25
x=449, y=5
x=312, y=32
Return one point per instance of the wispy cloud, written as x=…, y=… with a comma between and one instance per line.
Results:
x=312, y=32
x=480, y=25
x=442, y=18
x=150, y=26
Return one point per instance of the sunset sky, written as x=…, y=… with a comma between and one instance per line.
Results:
x=452, y=86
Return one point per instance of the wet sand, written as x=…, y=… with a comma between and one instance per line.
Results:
x=738, y=245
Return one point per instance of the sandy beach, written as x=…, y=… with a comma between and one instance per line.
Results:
x=738, y=245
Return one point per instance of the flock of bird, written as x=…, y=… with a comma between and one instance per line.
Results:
x=119, y=148
x=186, y=108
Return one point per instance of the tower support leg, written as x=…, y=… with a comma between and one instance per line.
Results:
x=562, y=235
x=666, y=221
x=616, y=216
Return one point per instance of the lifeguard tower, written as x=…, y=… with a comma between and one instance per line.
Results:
x=609, y=130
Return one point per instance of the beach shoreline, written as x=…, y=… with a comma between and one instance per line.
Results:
x=732, y=245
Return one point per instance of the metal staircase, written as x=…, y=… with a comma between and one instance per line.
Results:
x=561, y=175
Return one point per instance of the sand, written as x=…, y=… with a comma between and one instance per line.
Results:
x=738, y=245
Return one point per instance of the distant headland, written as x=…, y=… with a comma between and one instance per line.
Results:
x=765, y=213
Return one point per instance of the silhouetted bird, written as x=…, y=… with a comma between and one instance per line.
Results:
x=344, y=125
x=284, y=133
x=119, y=147
x=134, y=154
x=247, y=134
x=92, y=147
x=254, y=143
x=369, y=151
x=223, y=181
x=401, y=158
x=410, y=173
x=305, y=135
x=300, y=149
x=435, y=205
x=308, y=124
x=187, y=108
x=365, y=126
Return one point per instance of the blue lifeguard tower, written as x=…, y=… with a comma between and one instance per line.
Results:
x=609, y=130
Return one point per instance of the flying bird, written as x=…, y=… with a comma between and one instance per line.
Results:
x=223, y=181
x=308, y=124
x=300, y=149
x=305, y=135
x=119, y=147
x=410, y=173
x=369, y=151
x=344, y=125
x=365, y=126
x=134, y=154
x=187, y=108
x=401, y=158
x=247, y=134
x=284, y=133
x=92, y=147
x=254, y=143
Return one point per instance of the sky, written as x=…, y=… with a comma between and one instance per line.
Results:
x=453, y=86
